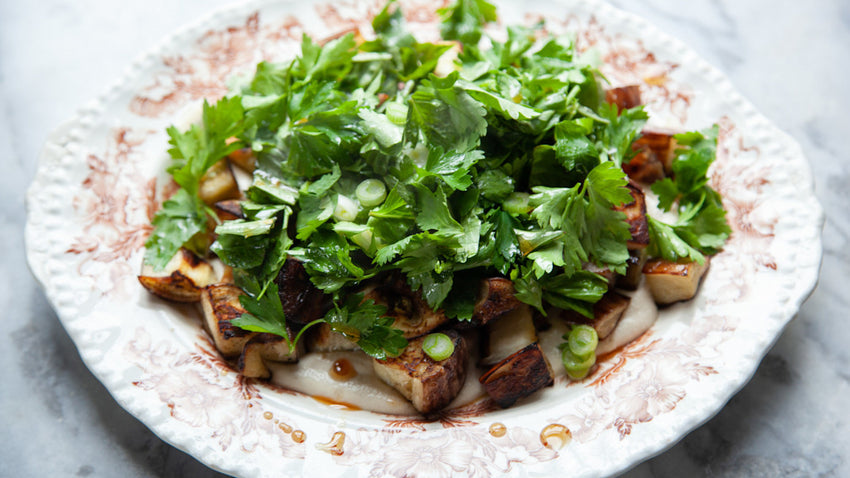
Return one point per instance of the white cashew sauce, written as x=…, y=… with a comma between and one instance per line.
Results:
x=312, y=374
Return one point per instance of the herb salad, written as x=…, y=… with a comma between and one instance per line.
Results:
x=381, y=158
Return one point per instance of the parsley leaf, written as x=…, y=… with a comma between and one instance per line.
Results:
x=174, y=225
x=364, y=322
x=702, y=227
x=445, y=115
x=193, y=152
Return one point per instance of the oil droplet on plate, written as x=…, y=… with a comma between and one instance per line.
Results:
x=334, y=447
x=285, y=428
x=498, y=429
x=555, y=436
x=268, y=415
x=298, y=436
x=342, y=370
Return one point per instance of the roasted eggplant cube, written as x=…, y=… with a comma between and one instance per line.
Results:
x=228, y=210
x=181, y=280
x=262, y=347
x=220, y=304
x=302, y=301
x=662, y=144
x=244, y=158
x=320, y=338
x=607, y=313
x=512, y=332
x=673, y=281
x=624, y=97
x=635, y=212
x=428, y=384
x=496, y=297
x=218, y=184
x=518, y=376
x=634, y=270
x=644, y=167
x=411, y=313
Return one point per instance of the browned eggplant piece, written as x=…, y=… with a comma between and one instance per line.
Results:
x=636, y=217
x=220, y=304
x=607, y=312
x=517, y=376
x=662, y=144
x=244, y=158
x=673, y=281
x=644, y=167
x=262, y=347
x=302, y=301
x=624, y=97
x=218, y=184
x=496, y=297
x=507, y=334
x=228, y=210
x=428, y=384
x=320, y=338
x=634, y=270
x=413, y=316
x=181, y=280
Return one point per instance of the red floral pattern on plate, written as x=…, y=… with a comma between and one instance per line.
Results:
x=171, y=365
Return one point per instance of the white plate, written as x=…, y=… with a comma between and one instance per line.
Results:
x=99, y=181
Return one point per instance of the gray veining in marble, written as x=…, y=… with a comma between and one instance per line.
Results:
x=791, y=59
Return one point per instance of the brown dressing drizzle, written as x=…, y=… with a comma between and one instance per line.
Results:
x=298, y=436
x=555, y=436
x=342, y=370
x=268, y=415
x=335, y=446
x=284, y=427
x=498, y=430
x=334, y=403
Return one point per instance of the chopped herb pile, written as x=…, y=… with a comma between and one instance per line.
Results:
x=369, y=161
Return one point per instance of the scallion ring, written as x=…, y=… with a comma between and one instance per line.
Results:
x=397, y=113
x=517, y=203
x=438, y=346
x=577, y=368
x=582, y=341
x=371, y=192
x=346, y=209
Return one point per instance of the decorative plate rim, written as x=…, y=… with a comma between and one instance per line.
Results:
x=44, y=197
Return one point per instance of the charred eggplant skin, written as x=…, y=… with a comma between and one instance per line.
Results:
x=518, y=376
x=412, y=314
x=302, y=301
x=497, y=297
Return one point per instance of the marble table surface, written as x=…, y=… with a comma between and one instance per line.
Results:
x=792, y=62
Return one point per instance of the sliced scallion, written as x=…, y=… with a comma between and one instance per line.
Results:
x=517, y=203
x=438, y=346
x=371, y=192
x=577, y=368
x=582, y=341
x=397, y=113
x=346, y=209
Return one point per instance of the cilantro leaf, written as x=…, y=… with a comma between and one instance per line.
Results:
x=445, y=115
x=702, y=227
x=174, y=225
x=617, y=136
x=665, y=242
x=364, y=322
x=193, y=152
x=263, y=313
x=452, y=167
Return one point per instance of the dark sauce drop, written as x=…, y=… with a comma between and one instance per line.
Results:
x=342, y=370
